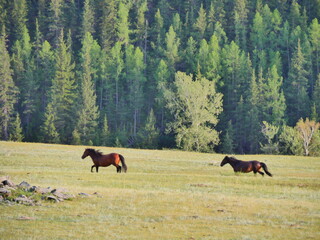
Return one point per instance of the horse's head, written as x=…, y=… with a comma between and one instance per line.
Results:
x=224, y=161
x=86, y=153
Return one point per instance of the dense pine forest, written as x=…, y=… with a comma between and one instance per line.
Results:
x=231, y=76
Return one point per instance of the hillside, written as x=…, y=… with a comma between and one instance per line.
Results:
x=200, y=75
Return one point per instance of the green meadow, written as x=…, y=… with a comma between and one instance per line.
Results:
x=166, y=194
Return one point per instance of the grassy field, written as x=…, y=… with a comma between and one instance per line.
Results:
x=164, y=195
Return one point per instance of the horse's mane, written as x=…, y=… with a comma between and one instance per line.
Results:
x=233, y=158
x=97, y=152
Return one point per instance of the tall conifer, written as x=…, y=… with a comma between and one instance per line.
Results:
x=88, y=110
x=8, y=90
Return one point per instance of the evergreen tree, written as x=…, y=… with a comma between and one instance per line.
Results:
x=149, y=134
x=177, y=25
x=201, y=23
x=240, y=22
x=240, y=124
x=233, y=64
x=62, y=94
x=172, y=48
x=220, y=34
x=105, y=138
x=113, y=90
x=189, y=56
x=107, y=23
x=48, y=130
x=76, y=139
x=88, y=110
x=258, y=31
x=227, y=142
x=285, y=47
x=141, y=25
x=24, y=75
x=294, y=14
x=214, y=60
x=8, y=90
x=88, y=19
x=157, y=32
x=253, y=115
x=18, y=19
x=315, y=42
x=3, y=13
x=122, y=24
x=316, y=95
x=162, y=76
x=203, y=56
x=297, y=87
x=211, y=20
x=274, y=106
x=16, y=134
x=135, y=80
x=46, y=72
x=55, y=23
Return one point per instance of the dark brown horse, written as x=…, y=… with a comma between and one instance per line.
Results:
x=242, y=166
x=101, y=160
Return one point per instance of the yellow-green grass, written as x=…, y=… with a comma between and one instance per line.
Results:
x=164, y=195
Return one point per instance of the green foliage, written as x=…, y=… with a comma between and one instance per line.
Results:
x=87, y=19
x=315, y=146
x=196, y=106
x=227, y=143
x=148, y=135
x=16, y=130
x=297, y=92
x=8, y=90
x=122, y=24
x=172, y=48
x=290, y=141
x=270, y=131
x=48, y=129
x=201, y=23
x=76, y=139
x=105, y=138
x=59, y=79
x=62, y=95
x=273, y=107
x=88, y=110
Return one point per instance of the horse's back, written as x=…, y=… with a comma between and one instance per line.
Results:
x=111, y=158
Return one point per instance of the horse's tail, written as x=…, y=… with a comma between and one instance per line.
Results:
x=264, y=166
x=123, y=163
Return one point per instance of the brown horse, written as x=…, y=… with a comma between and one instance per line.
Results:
x=101, y=160
x=242, y=166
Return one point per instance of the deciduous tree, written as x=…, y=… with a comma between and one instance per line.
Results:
x=196, y=106
x=307, y=129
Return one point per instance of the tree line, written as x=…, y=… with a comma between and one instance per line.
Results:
x=202, y=75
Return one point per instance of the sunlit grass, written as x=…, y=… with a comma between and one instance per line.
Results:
x=164, y=195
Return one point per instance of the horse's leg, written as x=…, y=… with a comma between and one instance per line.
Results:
x=97, y=168
x=92, y=167
x=118, y=168
x=258, y=170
